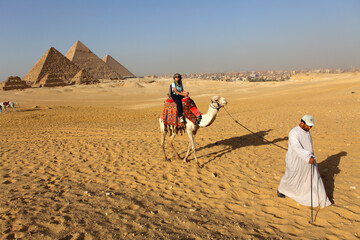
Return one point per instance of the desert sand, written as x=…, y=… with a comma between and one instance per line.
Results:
x=85, y=162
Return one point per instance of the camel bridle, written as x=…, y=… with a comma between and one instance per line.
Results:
x=212, y=105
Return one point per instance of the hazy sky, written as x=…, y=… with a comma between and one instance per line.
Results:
x=188, y=36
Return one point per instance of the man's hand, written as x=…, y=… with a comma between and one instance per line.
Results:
x=311, y=160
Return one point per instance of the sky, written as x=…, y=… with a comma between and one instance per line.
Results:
x=189, y=36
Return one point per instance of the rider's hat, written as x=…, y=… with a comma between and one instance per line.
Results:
x=177, y=75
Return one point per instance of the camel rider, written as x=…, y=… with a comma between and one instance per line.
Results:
x=177, y=93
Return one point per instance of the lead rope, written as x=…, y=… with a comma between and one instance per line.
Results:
x=254, y=132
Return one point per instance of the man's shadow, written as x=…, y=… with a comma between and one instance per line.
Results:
x=329, y=169
x=233, y=143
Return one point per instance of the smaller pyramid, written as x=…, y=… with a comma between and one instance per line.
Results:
x=14, y=82
x=81, y=56
x=117, y=67
x=52, y=80
x=83, y=77
x=54, y=64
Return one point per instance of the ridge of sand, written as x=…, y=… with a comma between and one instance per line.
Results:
x=87, y=163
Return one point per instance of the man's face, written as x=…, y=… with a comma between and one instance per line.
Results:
x=304, y=126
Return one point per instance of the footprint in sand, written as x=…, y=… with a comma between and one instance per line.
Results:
x=224, y=186
x=168, y=176
x=177, y=193
x=133, y=206
x=206, y=191
x=8, y=182
x=239, y=195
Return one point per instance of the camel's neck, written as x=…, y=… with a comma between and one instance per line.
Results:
x=208, y=118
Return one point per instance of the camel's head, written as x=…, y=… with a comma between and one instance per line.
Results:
x=218, y=102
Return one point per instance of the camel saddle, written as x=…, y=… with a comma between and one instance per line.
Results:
x=190, y=111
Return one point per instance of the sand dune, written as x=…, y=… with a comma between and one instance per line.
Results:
x=84, y=162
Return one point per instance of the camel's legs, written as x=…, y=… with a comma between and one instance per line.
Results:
x=191, y=146
x=187, y=152
x=172, y=136
x=163, y=136
x=163, y=131
x=194, y=134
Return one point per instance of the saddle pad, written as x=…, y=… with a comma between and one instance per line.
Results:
x=169, y=114
x=190, y=110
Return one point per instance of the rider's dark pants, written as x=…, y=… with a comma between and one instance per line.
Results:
x=177, y=100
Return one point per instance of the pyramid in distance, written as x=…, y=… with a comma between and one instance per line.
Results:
x=117, y=67
x=83, y=77
x=52, y=63
x=51, y=80
x=81, y=56
x=14, y=82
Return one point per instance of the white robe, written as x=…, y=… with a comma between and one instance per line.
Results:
x=296, y=181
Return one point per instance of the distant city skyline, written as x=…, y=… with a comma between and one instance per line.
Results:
x=163, y=37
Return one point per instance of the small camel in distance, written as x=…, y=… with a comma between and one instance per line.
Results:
x=4, y=105
x=191, y=129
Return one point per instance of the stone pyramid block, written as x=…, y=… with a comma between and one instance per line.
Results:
x=117, y=67
x=81, y=55
x=53, y=63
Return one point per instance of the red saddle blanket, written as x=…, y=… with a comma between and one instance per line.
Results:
x=169, y=113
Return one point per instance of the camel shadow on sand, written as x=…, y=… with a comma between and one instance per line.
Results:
x=234, y=143
x=21, y=110
x=28, y=110
x=329, y=169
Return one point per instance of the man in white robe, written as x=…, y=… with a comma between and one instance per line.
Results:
x=296, y=182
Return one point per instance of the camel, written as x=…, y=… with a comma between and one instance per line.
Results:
x=4, y=105
x=191, y=129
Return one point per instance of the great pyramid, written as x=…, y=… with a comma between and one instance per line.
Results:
x=14, y=82
x=85, y=59
x=117, y=67
x=53, y=63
